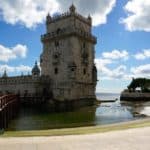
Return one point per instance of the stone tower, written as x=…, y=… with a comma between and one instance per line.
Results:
x=68, y=56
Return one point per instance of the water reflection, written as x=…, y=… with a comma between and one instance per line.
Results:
x=105, y=113
x=38, y=119
x=137, y=109
x=111, y=113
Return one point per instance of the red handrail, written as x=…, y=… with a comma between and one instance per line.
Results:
x=6, y=99
x=8, y=107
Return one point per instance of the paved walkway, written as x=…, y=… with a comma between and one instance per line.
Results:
x=131, y=139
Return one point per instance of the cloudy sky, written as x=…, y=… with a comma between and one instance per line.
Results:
x=122, y=28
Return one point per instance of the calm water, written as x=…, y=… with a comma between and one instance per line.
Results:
x=105, y=113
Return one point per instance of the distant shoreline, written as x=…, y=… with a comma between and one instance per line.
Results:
x=108, y=97
x=107, y=93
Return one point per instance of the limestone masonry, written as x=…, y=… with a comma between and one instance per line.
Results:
x=68, y=71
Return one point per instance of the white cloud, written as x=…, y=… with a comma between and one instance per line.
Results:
x=101, y=63
x=98, y=9
x=7, y=68
x=15, y=69
x=143, y=55
x=117, y=73
x=141, y=71
x=23, y=68
x=31, y=12
x=7, y=54
x=20, y=50
x=139, y=56
x=104, y=72
x=116, y=54
x=109, y=67
x=138, y=18
x=27, y=12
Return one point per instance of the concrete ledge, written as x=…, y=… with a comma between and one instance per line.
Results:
x=134, y=96
x=81, y=130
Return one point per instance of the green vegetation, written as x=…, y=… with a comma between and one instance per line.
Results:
x=142, y=83
x=80, y=130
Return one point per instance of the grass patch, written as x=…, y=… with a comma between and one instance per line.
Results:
x=79, y=130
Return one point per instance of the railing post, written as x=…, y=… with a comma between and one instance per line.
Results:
x=9, y=105
x=1, y=121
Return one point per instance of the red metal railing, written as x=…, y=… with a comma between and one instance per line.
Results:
x=8, y=109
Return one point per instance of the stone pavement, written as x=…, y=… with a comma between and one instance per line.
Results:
x=131, y=139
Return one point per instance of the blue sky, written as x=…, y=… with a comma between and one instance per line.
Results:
x=122, y=28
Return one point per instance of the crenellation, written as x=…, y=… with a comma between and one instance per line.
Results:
x=67, y=15
x=61, y=16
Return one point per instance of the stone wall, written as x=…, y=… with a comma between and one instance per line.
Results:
x=25, y=85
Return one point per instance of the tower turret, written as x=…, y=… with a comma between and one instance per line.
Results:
x=72, y=9
x=35, y=70
x=90, y=18
x=4, y=74
x=48, y=18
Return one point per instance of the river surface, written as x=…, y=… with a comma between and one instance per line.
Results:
x=104, y=113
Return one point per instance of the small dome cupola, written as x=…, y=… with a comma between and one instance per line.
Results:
x=72, y=9
x=36, y=70
x=48, y=18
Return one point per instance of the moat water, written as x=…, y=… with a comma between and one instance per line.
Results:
x=104, y=113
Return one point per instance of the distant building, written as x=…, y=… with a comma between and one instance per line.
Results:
x=27, y=86
x=68, y=72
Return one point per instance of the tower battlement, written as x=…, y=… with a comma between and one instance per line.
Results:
x=68, y=14
x=69, y=22
x=66, y=32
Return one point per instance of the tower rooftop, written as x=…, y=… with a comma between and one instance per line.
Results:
x=71, y=12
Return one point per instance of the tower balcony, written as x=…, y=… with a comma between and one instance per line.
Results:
x=69, y=32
